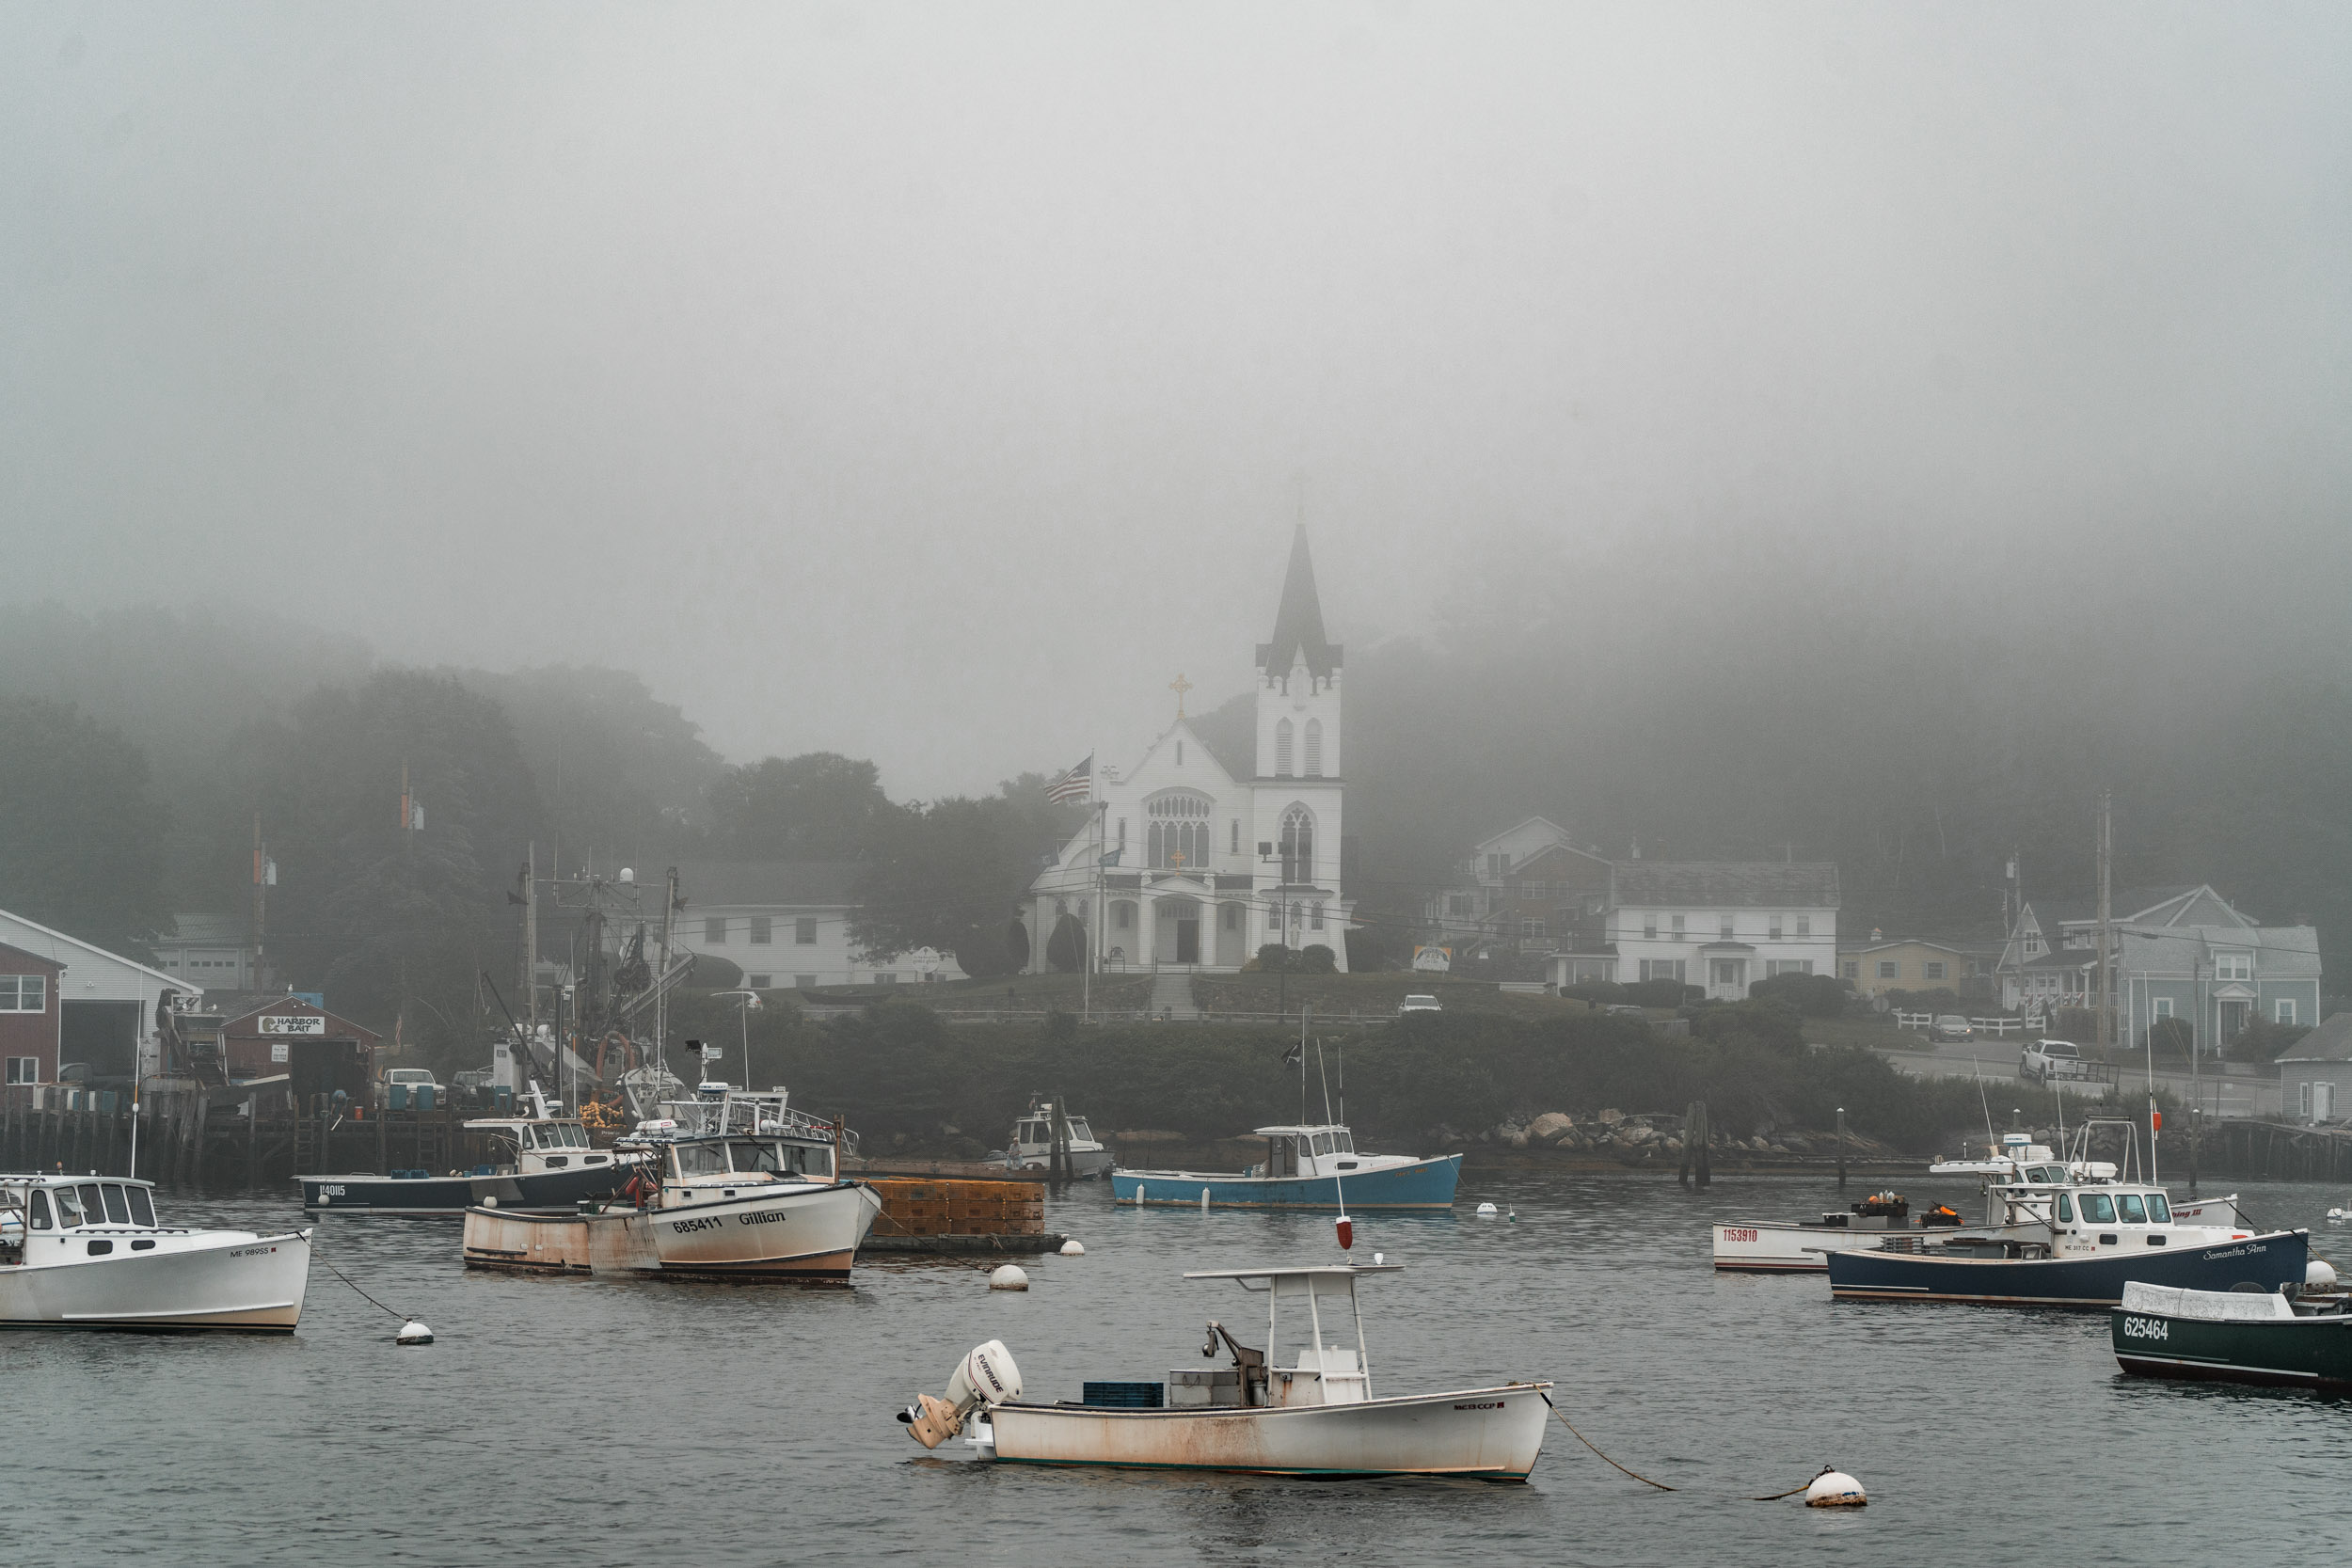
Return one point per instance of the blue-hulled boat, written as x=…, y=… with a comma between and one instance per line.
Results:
x=2070, y=1240
x=1305, y=1167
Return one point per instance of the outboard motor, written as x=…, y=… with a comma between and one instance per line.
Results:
x=985, y=1376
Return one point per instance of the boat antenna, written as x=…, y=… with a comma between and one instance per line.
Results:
x=1992, y=1144
x=1320, y=1071
x=2058, y=1087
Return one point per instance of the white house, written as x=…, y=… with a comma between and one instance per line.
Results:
x=211, y=951
x=1463, y=911
x=1186, y=865
x=1721, y=925
x=786, y=925
x=108, y=1001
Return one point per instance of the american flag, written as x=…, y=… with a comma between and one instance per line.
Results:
x=1077, y=784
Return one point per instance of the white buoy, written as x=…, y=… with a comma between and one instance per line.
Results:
x=413, y=1333
x=2318, y=1275
x=1834, y=1489
x=1484, y=1208
x=1073, y=1248
x=1008, y=1276
x=1204, y=1200
x=1378, y=1259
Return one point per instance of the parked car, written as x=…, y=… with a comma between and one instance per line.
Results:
x=2062, y=1062
x=1629, y=1009
x=1419, y=1003
x=409, y=1078
x=1951, y=1027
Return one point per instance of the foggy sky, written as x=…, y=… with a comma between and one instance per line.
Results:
x=935, y=383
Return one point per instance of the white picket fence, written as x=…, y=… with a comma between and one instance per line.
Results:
x=1998, y=1026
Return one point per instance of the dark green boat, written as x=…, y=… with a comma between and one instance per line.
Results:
x=2234, y=1336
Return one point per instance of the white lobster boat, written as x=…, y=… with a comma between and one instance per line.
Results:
x=87, y=1252
x=736, y=1186
x=1304, y=1405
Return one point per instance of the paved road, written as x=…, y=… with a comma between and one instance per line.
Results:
x=1994, y=1061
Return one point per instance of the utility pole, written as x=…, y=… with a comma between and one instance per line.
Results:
x=529, y=986
x=662, y=991
x=260, y=896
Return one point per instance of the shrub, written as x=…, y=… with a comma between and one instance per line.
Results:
x=1813, y=996
x=1273, y=958
x=1066, y=949
x=1318, y=959
x=1599, y=993
x=2261, y=1040
x=1655, y=993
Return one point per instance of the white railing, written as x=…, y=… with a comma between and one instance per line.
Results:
x=1913, y=1021
x=1989, y=1025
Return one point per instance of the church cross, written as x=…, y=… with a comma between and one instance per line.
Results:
x=1180, y=685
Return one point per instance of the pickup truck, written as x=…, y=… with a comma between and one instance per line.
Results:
x=2060, y=1062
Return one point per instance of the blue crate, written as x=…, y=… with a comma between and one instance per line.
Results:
x=1126, y=1395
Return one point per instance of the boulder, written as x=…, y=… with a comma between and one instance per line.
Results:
x=1549, y=1127
x=1610, y=1118
x=1674, y=1145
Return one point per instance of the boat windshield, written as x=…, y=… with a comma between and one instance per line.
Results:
x=1343, y=1142
x=2065, y=1209
x=1323, y=1143
x=142, y=1206
x=2128, y=1206
x=117, y=1211
x=69, y=1208
x=2159, y=1210
x=1079, y=1131
x=41, y=1207
x=2098, y=1209
x=752, y=1157
x=1033, y=1133
x=699, y=1160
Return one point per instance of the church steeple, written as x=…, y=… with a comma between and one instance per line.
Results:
x=1299, y=624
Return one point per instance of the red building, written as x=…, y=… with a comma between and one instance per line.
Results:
x=29, y=1015
x=287, y=1034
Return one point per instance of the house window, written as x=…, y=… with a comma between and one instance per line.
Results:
x=2160, y=1006
x=759, y=982
x=2233, y=966
x=1724, y=929
x=2283, y=1011
x=23, y=993
x=715, y=930
x=1283, y=749
x=1678, y=927
x=1178, y=835
x=804, y=932
x=1534, y=892
x=1804, y=925
x=1298, y=846
x=1234, y=847
x=1889, y=968
x=1662, y=969
x=763, y=930
x=885, y=979
x=2303, y=1101
x=1531, y=929
x=24, y=1070
x=1314, y=921
x=804, y=982
x=1853, y=969
x=1774, y=927
x=1314, y=748
x=1497, y=864
x=1458, y=904
x=1787, y=966
x=1650, y=927
x=1727, y=971
x=1232, y=917
x=1122, y=833
x=1934, y=968
x=1123, y=916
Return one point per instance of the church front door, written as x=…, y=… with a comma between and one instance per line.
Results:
x=1187, y=940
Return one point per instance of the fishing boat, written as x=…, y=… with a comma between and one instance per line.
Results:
x=2300, y=1341
x=2008, y=1156
x=88, y=1252
x=1031, y=1145
x=544, y=1160
x=2071, y=1241
x=735, y=1185
x=1307, y=1166
x=1803, y=1246
x=1304, y=1405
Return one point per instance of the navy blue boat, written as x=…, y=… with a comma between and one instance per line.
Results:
x=2081, y=1243
x=548, y=1163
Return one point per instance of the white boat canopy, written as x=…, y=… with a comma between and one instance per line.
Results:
x=1324, y=1269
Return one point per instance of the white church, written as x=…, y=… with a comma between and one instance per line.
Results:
x=1183, y=865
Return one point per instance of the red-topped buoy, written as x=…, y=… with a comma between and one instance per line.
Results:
x=1347, y=1232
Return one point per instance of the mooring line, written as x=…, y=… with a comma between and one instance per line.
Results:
x=1659, y=1484
x=363, y=1295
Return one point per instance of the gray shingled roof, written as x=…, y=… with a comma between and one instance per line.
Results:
x=1727, y=885
x=734, y=884
x=219, y=930
x=2331, y=1041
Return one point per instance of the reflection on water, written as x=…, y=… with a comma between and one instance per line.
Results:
x=599, y=1420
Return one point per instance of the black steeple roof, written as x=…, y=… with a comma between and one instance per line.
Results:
x=1298, y=625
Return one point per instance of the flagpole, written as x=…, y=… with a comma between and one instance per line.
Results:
x=1094, y=934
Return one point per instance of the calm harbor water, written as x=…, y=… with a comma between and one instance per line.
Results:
x=598, y=1422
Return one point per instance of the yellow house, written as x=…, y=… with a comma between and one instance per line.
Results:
x=1884, y=966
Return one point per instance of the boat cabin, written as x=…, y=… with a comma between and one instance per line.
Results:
x=1314, y=1351
x=89, y=1213
x=1302, y=1152
x=541, y=1144
x=1033, y=1134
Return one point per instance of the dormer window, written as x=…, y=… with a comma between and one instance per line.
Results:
x=2233, y=966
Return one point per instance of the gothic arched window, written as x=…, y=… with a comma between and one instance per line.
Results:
x=1314, y=748
x=1283, y=749
x=1179, y=836
x=1298, y=846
